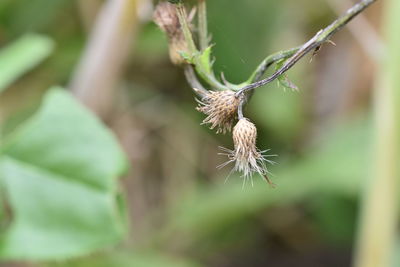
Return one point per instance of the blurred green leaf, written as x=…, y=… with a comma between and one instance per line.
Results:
x=21, y=56
x=39, y=15
x=326, y=208
x=131, y=259
x=151, y=43
x=243, y=35
x=281, y=113
x=59, y=171
x=12, y=122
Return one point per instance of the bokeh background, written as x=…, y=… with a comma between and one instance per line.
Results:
x=181, y=212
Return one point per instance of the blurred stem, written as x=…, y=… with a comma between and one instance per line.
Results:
x=203, y=32
x=194, y=82
x=376, y=240
x=88, y=10
x=99, y=70
x=314, y=43
x=363, y=32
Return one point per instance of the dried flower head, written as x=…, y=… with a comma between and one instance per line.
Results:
x=166, y=17
x=248, y=159
x=220, y=108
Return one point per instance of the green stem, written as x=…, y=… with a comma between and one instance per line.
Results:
x=185, y=28
x=209, y=77
x=203, y=32
x=194, y=82
x=379, y=218
x=315, y=42
x=204, y=72
x=270, y=60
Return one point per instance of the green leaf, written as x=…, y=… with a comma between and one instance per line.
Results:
x=205, y=60
x=283, y=79
x=21, y=56
x=186, y=57
x=59, y=171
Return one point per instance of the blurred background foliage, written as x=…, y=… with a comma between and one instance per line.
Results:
x=180, y=211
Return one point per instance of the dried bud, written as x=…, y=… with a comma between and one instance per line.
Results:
x=248, y=159
x=220, y=108
x=166, y=17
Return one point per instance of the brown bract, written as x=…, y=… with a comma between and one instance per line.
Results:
x=166, y=17
x=246, y=154
x=220, y=108
x=248, y=159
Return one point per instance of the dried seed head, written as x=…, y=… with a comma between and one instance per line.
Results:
x=220, y=108
x=166, y=17
x=248, y=159
x=246, y=155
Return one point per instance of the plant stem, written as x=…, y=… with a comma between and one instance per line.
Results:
x=362, y=31
x=379, y=217
x=315, y=42
x=97, y=75
x=185, y=28
x=194, y=82
x=205, y=74
x=209, y=77
x=88, y=10
x=203, y=32
x=268, y=61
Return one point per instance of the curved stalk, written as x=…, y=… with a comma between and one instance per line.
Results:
x=379, y=218
x=314, y=43
x=269, y=61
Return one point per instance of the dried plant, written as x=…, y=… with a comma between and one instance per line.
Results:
x=166, y=17
x=247, y=157
x=223, y=102
x=220, y=108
